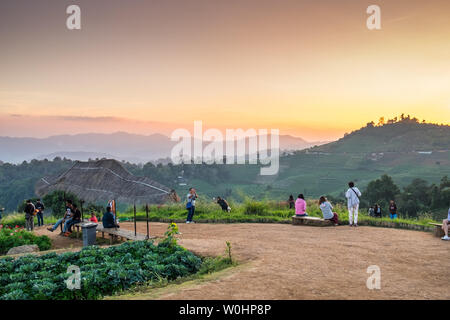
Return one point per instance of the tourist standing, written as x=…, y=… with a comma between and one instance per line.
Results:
x=377, y=211
x=291, y=202
x=190, y=205
x=393, y=209
x=352, y=196
x=29, y=215
x=445, y=224
x=40, y=212
x=371, y=212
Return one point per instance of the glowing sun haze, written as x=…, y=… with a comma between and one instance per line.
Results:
x=309, y=68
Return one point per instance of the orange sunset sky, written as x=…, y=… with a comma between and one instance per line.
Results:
x=309, y=68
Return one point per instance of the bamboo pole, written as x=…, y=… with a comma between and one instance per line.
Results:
x=146, y=213
x=134, y=207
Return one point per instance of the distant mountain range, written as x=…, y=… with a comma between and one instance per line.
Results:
x=121, y=145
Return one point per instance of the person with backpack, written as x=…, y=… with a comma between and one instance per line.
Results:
x=327, y=211
x=352, y=196
x=40, y=212
x=29, y=215
x=393, y=209
x=190, y=205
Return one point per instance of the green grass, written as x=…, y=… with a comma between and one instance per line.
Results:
x=259, y=212
x=18, y=219
x=250, y=211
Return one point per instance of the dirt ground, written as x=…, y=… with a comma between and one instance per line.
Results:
x=279, y=261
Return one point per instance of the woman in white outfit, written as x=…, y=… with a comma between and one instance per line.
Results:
x=352, y=196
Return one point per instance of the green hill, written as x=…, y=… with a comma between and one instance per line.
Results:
x=404, y=150
x=403, y=136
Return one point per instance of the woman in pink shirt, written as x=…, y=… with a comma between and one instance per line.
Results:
x=300, y=206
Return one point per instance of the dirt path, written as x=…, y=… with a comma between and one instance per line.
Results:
x=58, y=241
x=299, y=262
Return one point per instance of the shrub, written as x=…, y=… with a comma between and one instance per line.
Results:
x=14, y=237
x=57, y=201
x=252, y=207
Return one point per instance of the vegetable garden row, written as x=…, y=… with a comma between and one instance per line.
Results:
x=103, y=271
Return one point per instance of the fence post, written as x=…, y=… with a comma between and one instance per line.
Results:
x=134, y=207
x=81, y=205
x=146, y=213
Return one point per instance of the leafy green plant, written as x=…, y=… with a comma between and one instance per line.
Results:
x=170, y=239
x=104, y=271
x=14, y=237
x=228, y=251
x=257, y=208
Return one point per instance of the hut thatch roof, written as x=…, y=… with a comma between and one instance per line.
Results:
x=103, y=180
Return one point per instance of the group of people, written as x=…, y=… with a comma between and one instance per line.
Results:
x=375, y=210
x=71, y=216
x=190, y=204
x=33, y=210
x=353, y=194
x=324, y=205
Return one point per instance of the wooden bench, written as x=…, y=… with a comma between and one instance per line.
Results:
x=112, y=232
x=438, y=232
x=310, y=221
x=121, y=234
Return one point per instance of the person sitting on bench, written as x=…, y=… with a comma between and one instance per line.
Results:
x=327, y=210
x=76, y=218
x=65, y=218
x=108, y=219
x=93, y=217
x=445, y=224
x=300, y=206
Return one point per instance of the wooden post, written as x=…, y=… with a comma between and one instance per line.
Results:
x=115, y=211
x=146, y=213
x=81, y=204
x=134, y=219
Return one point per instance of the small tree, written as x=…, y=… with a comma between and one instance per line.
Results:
x=381, y=191
x=57, y=201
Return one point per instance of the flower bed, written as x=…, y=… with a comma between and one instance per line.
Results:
x=102, y=271
x=17, y=236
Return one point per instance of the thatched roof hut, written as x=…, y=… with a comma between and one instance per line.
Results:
x=103, y=180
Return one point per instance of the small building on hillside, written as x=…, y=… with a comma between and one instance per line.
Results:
x=103, y=180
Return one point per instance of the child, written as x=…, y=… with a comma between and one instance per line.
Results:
x=93, y=217
x=327, y=212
